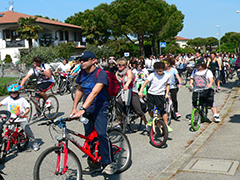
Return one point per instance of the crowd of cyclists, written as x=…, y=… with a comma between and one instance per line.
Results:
x=156, y=77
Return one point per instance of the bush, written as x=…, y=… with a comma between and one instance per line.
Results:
x=8, y=59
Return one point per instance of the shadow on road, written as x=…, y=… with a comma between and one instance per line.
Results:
x=235, y=118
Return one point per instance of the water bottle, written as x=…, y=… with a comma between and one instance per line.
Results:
x=83, y=120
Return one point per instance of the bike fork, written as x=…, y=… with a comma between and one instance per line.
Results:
x=63, y=154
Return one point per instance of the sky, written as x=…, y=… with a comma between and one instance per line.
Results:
x=201, y=16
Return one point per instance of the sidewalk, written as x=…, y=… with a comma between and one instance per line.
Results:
x=215, y=153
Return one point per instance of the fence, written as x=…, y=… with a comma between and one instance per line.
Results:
x=11, y=70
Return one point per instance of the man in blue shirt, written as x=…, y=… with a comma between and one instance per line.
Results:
x=93, y=86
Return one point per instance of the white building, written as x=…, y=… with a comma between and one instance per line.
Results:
x=181, y=41
x=54, y=32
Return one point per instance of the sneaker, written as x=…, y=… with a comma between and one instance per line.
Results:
x=35, y=146
x=118, y=127
x=48, y=103
x=218, y=88
x=150, y=122
x=177, y=115
x=96, y=169
x=169, y=129
x=110, y=169
x=216, y=118
x=35, y=116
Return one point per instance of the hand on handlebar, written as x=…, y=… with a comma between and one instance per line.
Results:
x=190, y=88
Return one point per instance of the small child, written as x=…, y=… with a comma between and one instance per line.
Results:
x=158, y=91
x=19, y=106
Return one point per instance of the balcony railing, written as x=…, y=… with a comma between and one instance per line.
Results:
x=15, y=43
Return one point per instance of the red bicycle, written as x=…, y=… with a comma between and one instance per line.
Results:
x=60, y=162
x=13, y=134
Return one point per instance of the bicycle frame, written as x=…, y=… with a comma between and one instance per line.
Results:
x=31, y=98
x=85, y=148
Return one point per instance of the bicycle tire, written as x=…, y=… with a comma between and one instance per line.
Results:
x=22, y=140
x=159, y=135
x=73, y=91
x=63, y=88
x=135, y=124
x=45, y=166
x=184, y=78
x=30, y=111
x=55, y=86
x=3, y=153
x=52, y=111
x=195, y=119
x=123, y=157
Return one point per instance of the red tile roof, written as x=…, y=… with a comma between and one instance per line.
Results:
x=178, y=38
x=9, y=17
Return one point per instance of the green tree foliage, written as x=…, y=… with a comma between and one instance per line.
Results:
x=232, y=39
x=100, y=51
x=141, y=19
x=66, y=50
x=28, y=29
x=8, y=59
x=48, y=54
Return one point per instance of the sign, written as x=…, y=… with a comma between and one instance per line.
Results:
x=126, y=54
x=163, y=44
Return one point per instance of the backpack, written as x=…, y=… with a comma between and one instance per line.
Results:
x=113, y=86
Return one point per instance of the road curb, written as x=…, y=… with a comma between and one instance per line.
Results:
x=186, y=156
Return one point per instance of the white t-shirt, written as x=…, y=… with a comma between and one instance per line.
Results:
x=41, y=77
x=158, y=83
x=208, y=75
x=64, y=67
x=16, y=107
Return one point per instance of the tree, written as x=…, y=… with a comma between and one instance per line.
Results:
x=8, y=59
x=211, y=41
x=28, y=29
x=196, y=43
x=66, y=50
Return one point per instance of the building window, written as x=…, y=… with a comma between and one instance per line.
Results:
x=61, y=35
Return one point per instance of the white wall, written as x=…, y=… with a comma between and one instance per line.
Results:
x=13, y=52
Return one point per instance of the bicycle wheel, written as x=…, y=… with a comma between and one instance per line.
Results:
x=55, y=87
x=195, y=119
x=184, y=78
x=135, y=122
x=45, y=166
x=30, y=111
x=73, y=91
x=52, y=111
x=22, y=140
x=3, y=146
x=15, y=81
x=121, y=149
x=158, y=133
x=63, y=88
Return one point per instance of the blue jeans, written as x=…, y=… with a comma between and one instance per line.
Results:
x=99, y=120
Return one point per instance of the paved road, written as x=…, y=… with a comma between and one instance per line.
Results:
x=147, y=161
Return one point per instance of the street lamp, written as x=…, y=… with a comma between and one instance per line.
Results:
x=219, y=38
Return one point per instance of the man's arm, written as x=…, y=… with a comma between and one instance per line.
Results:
x=96, y=89
x=140, y=94
x=24, y=80
x=77, y=97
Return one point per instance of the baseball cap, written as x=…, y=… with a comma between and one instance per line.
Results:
x=200, y=62
x=87, y=54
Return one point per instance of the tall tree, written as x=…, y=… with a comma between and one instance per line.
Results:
x=28, y=29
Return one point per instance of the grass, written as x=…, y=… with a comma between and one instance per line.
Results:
x=3, y=82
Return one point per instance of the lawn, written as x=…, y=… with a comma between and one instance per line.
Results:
x=3, y=83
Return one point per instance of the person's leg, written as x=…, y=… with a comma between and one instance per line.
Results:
x=173, y=93
x=101, y=121
x=136, y=104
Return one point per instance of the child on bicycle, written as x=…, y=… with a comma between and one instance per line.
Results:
x=158, y=91
x=202, y=78
x=19, y=106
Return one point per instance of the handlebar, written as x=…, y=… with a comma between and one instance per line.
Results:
x=58, y=121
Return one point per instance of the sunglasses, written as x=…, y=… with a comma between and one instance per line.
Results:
x=120, y=65
x=13, y=92
x=84, y=59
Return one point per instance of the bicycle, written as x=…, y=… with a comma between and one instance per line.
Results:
x=55, y=161
x=159, y=132
x=199, y=113
x=30, y=83
x=129, y=118
x=62, y=84
x=48, y=112
x=170, y=110
x=13, y=134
